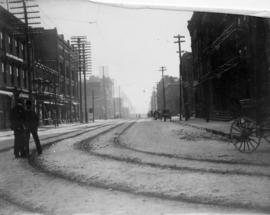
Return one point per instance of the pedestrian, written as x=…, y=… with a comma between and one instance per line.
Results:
x=32, y=126
x=17, y=120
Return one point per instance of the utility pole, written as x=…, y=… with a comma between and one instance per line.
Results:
x=19, y=9
x=119, y=103
x=181, y=99
x=83, y=47
x=93, y=104
x=104, y=93
x=85, y=91
x=162, y=69
x=113, y=101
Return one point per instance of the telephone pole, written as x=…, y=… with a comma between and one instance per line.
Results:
x=181, y=99
x=104, y=93
x=119, y=103
x=84, y=50
x=21, y=9
x=162, y=69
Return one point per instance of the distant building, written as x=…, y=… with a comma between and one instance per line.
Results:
x=172, y=97
x=102, y=90
x=171, y=94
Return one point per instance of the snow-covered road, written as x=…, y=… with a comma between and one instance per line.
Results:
x=142, y=167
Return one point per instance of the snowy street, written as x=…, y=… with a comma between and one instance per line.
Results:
x=133, y=167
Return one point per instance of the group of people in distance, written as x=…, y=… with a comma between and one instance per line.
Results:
x=24, y=122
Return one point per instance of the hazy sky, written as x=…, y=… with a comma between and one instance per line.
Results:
x=133, y=44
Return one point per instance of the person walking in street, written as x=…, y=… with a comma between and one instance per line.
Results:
x=32, y=126
x=17, y=119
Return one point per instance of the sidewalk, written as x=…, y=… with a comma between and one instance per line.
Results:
x=9, y=132
x=216, y=127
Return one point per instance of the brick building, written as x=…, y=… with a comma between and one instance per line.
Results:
x=57, y=54
x=48, y=74
x=14, y=70
x=230, y=60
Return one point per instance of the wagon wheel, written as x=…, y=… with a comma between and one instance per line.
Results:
x=244, y=135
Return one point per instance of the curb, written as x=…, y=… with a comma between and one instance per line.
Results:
x=213, y=131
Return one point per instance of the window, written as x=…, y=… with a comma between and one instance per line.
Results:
x=5, y=73
x=17, y=46
x=1, y=40
x=24, y=78
x=12, y=76
x=18, y=76
x=2, y=67
x=23, y=52
x=10, y=44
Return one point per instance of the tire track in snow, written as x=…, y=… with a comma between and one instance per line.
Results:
x=137, y=161
x=28, y=206
x=92, y=182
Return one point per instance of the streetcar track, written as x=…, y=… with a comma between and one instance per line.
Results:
x=129, y=190
x=92, y=182
x=171, y=167
x=51, y=137
x=24, y=206
x=29, y=207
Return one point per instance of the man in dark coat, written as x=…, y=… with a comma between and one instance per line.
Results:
x=32, y=126
x=17, y=119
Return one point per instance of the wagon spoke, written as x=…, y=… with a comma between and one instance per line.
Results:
x=250, y=141
x=248, y=148
x=240, y=148
x=236, y=128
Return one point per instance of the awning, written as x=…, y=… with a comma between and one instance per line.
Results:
x=7, y=93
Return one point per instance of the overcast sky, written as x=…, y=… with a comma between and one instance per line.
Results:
x=132, y=43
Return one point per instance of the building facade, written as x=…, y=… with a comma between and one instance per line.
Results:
x=45, y=71
x=52, y=51
x=230, y=60
x=14, y=67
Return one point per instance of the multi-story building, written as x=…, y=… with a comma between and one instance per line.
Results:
x=172, y=97
x=54, y=52
x=230, y=59
x=45, y=71
x=100, y=92
x=14, y=67
x=171, y=94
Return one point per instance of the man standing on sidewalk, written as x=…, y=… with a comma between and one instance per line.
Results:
x=32, y=122
x=17, y=119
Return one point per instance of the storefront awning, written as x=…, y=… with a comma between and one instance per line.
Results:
x=7, y=93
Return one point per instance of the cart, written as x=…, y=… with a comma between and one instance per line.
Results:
x=252, y=126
